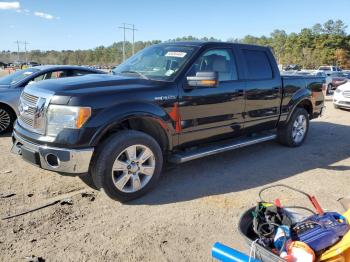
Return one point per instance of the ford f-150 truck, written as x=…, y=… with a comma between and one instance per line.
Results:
x=171, y=102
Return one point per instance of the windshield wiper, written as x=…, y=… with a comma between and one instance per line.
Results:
x=134, y=72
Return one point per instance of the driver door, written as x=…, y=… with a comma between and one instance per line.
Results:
x=210, y=112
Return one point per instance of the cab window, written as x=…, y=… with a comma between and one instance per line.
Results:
x=258, y=65
x=56, y=74
x=216, y=60
x=80, y=72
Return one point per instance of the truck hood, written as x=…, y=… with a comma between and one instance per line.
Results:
x=4, y=87
x=94, y=83
x=344, y=87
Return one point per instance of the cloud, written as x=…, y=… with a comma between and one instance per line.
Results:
x=44, y=15
x=9, y=5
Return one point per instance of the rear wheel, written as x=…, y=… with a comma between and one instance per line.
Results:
x=294, y=133
x=6, y=120
x=127, y=165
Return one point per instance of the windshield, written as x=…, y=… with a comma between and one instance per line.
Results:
x=17, y=76
x=325, y=68
x=159, y=62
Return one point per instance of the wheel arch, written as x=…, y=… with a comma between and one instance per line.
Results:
x=144, y=122
x=303, y=102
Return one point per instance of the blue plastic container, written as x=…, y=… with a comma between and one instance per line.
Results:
x=226, y=254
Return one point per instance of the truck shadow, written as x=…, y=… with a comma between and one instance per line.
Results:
x=254, y=166
x=8, y=134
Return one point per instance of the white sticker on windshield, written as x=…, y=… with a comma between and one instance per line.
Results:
x=176, y=54
x=27, y=73
x=169, y=72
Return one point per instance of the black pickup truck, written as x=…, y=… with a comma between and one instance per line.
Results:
x=171, y=102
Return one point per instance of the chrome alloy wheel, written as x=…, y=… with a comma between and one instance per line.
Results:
x=299, y=128
x=133, y=168
x=5, y=120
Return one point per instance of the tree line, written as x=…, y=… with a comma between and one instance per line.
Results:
x=322, y=44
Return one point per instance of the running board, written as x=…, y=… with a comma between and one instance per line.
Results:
x=186, y=156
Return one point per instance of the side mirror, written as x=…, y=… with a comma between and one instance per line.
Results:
x=206, y=79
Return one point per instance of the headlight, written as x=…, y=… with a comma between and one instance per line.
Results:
x=61, y=117
x=338, y=90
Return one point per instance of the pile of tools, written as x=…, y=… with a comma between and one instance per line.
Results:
x=279, y=233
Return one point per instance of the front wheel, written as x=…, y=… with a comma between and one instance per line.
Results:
x=6, y=120
x=127, y=165
x=294, y=133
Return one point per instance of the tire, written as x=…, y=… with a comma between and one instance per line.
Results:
x=289, y=135
x=87, y=179
x=335, y=106
x=123, y=151
x=7, y=118
x=329, y=89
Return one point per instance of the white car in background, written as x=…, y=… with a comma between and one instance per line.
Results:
x=329, y=69
x=341, y=97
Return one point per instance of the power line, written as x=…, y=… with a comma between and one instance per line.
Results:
x=133, y=29
x=25, y=49
x=25, y=43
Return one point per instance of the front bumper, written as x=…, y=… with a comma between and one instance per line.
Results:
x=341, y=101
x=62, y=160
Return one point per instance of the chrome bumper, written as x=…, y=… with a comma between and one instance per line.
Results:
x=72, y=161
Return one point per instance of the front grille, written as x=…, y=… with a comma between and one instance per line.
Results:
x=32, y=117
x=30, y=99
x=27, y=120
x=346, y=94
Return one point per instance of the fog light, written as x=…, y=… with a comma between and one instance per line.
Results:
x=52, y=160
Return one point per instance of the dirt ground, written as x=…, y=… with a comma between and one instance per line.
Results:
x=193, y=206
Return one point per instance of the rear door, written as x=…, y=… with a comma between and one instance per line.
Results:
x=263, y=91
x=207, y=112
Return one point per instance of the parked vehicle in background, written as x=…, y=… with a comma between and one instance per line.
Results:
x=2, y=65
x=341, y=97
x=294, y=67
x=329, y=69
x=30, y=64
x=174, y=101
x=346, y=73
x=12, y=85
x=334, y=80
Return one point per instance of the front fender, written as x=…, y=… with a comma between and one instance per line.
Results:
x=111, y=117
x=10, y=98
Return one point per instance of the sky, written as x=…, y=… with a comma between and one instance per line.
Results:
x=84, y=24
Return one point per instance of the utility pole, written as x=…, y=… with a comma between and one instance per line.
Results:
x=133, y=39
x=17, y=42
x=25, y=49
x=124, y=27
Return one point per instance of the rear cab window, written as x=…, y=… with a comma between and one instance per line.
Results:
x=80, y=72
x=257, y=64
